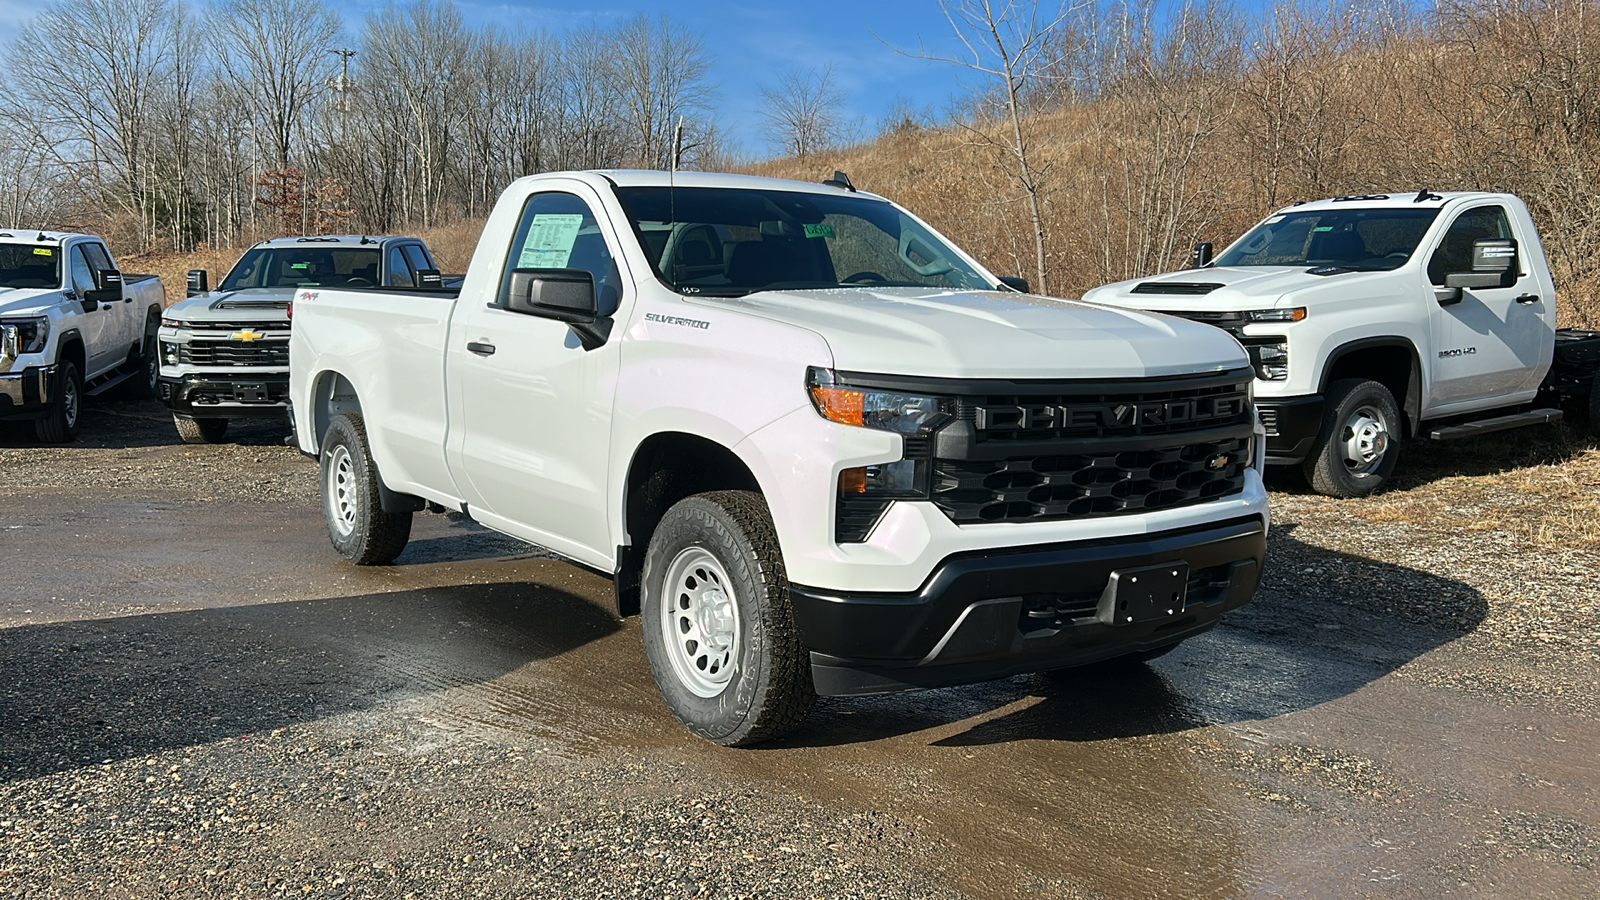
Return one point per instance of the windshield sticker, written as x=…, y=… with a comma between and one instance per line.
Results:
x=299, y=265
x=1323, y=228
x=43, y=251
x=819, y=231
x=550, y=240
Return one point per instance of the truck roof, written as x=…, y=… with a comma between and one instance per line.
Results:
x=36, y=235
x=656, y=178
x=334, y=240
x=1424, y=199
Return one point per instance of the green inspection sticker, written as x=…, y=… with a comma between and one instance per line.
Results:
x=299, y=265
x=1323, y=228
x=821, y=231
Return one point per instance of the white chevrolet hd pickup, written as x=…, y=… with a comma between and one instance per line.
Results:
x=1373, y=318
x=71, y=325
x=225, y=353
x=818, y=448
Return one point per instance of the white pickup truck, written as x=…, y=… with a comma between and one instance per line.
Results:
x=225, y=353
x=1373, y=318
x=817, y=447
x=71, y=325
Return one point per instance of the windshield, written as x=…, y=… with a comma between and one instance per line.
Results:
x=303, y=266
x=29, y=266
x=732, y=241
x=1362, y=239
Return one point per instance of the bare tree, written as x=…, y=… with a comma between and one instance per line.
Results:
x=803, y=111
x=1008, y=41
x=275, y=55
x=661, y=72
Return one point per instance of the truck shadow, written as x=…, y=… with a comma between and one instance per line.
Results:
x=79, y=693
x=1323, y=625
x=109, y=423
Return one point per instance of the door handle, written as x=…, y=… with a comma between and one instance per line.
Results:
x=1525, y=299
x=480, y=348
x=127, y=299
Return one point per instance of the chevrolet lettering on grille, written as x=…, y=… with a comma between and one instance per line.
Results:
x=1110, y=415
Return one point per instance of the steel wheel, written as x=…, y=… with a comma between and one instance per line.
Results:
x=69, y=403
x=1364, y=439
x=342, y=499
x=700, y=622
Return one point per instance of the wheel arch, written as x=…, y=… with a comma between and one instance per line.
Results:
x=1391, y=361
x=665, y=468
x=332, y=394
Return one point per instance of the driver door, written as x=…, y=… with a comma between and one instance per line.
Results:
x=99, y=325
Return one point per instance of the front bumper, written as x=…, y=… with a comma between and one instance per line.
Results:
x=226, y=396
x=990, y=614
x=1292, y=427
x=26, y=394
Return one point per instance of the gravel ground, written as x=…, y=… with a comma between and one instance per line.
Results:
x=200, y=701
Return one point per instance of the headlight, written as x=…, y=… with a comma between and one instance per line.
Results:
x=31, y=333
x=1269, y=356
x=884, y=410
x=1276, y=315
x=171, y=323
x=169, y=353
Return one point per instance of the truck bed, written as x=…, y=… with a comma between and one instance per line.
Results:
x=1577, y=361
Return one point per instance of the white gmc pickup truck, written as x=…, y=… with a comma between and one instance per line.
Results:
x=1373, y=318
x=71, y=325
x=818, y=448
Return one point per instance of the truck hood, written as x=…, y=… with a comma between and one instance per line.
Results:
x=993, y=334
x=28, y=301
x=252, y=305
x=1234, y=288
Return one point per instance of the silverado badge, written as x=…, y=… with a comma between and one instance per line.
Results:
x=247, y=335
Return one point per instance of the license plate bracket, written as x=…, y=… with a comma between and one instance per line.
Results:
x=250, y=393
x=1145, y=594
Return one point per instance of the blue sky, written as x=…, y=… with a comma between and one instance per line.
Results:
x=752, y=44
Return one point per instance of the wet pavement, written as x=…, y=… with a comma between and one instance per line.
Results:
x=198, y=698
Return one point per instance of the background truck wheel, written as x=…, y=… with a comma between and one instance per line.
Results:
x=360, y=530
x=718, y=628
x=142, y=386
x=200, y=431
x=1359, y=442
x=60, y=422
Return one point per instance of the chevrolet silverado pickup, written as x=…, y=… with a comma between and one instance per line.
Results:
x=1374, y=318
x=225, y=353
x=71, y=326
x=818, y=448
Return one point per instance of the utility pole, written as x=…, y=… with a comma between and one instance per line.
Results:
x=342, y=85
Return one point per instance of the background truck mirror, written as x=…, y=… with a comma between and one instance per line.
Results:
x=429, y=279
x=1494, y=265
x=198, y=282
x=1020, y=285
x=1201, y=257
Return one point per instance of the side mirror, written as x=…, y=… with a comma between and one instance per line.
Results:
x=429, y=279
x=107, y=288
x=198, y=283
x=1494, y=265
x=565, y=295
x=1201, y=257
x=1020, y=285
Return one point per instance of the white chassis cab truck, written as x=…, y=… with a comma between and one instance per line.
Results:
x=71, y=326
x=1374, y=318
x=225, y=353
x=818, y=448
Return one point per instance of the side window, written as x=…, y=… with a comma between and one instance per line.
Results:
x=82, y=275
x=98, y=259
x=419, y=260
x=559, y=231
x=1455, y=251
x=399, y=270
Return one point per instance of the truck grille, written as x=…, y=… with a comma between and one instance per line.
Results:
x=234, y=353
x=1085, y=485
x=1075, y=450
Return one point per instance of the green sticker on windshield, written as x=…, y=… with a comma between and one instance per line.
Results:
x=43, y=251
x=1323, y=228
x=821, y=231
x=299, y=265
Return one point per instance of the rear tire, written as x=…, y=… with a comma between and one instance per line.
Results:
x=1359, y=442
x=200, y=431
x=719, y=631
x=60, y=422
x=359, y=528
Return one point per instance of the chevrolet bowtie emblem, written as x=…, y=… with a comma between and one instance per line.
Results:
x=1218, y=462
x=247, y=335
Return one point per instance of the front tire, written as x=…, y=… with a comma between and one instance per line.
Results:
x=719, y=631
x=1359, y=442
x=60, y=422
x=200, y=431
x=359, y=528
